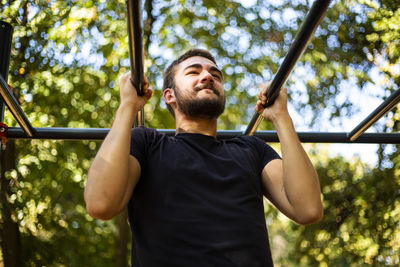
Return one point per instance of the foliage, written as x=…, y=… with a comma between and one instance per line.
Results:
x=59, y=85
x=361, y=222
x=67, y=58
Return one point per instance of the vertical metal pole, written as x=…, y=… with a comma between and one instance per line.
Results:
x=302, y=38
x=136, y=51
x=6, y=32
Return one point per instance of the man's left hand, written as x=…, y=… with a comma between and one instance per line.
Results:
x=277, y=109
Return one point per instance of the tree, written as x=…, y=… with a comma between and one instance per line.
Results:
x=66, y=60
x=361, y=222
x=52, y=75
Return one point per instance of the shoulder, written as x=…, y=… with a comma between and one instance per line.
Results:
x=251, y=144
x=249, y=140
x=259, y=146
x=144, y=140
x=144, y=137
x=143, y=130
x=147, y=133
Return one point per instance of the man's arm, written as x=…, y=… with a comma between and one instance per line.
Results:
x=114, y=172
x=291, y=184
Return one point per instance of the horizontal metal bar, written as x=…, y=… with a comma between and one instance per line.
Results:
x=59, y=133
x=297, y=48
x=269, y=136
x=378, y=113
x=15, y=108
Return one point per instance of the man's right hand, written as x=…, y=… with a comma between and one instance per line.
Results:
x=128, y=92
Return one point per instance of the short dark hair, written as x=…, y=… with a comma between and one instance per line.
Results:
x=169, y=74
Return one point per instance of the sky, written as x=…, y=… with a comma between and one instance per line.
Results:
x=366, y=102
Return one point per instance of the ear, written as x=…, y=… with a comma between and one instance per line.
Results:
x=169, y=96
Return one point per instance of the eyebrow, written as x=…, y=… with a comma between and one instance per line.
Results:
x=199, y=66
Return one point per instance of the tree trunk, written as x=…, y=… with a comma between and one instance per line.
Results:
x=148, y=26
x=122, y=240
x=9, y=230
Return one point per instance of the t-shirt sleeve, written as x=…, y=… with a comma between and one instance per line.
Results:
x=266, y=152
x=140, y=139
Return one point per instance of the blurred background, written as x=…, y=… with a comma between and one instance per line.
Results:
x=65, y=63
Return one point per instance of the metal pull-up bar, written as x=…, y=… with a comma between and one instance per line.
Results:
x=136, y=51
x=56, y=133
x=379, y=112
x=6, y=32
x=136, y=56
x=302, y=38
x=15, y=108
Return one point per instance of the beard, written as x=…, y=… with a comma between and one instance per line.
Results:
x=206, y=108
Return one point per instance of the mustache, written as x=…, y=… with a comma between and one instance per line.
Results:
x=208, y=86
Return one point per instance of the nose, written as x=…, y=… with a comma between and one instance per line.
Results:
x=207, y=77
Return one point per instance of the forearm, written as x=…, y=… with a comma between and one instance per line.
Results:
x=300, y=180
x=108, y=176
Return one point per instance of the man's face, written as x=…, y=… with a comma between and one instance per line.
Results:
x=199, y=91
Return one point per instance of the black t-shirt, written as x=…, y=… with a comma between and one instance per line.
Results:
x=199, y=201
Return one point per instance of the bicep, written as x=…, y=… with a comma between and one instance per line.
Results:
x=273, y=187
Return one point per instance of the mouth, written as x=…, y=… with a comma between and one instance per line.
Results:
x=207, y=87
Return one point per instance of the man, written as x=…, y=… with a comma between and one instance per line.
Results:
x=194, y=200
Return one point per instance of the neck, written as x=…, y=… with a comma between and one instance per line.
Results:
x=185, y=124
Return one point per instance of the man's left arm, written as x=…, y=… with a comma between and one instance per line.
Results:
x=291, y=184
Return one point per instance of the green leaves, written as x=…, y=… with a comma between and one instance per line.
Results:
x=360, y=222
x=66, y=60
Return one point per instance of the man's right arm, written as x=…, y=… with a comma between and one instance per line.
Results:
x=114, y=172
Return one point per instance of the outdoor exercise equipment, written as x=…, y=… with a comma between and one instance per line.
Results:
x=317, y=11
x=136, y=51
x=7, y=96
x=379, y=112
x=303, y=37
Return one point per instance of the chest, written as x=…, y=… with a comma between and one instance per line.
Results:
x=201, y=169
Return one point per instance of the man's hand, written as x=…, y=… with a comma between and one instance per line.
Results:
x=128, y=92
x=277, y=110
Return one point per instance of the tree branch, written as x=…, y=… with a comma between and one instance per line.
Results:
x=148, y=25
